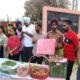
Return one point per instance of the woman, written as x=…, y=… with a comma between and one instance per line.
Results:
x=13, y=45
x=3, y=41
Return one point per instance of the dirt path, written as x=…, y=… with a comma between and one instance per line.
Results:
x=73, y=76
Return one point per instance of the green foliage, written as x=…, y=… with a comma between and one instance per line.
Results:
x=34, y=7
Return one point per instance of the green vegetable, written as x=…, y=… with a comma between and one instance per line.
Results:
x=36, y=69
x=9, y=63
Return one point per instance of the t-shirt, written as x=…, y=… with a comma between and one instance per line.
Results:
x=27, y=40
x=18, y=33
x=14, y=42
x=37, y=37
x=70, y=43
x=3, y=39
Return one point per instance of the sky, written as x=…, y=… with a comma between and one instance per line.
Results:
x=14, y=9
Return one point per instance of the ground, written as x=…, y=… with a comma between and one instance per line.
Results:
x=73, y=76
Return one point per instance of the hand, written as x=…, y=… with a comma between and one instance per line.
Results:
x=26, y=33
x=34, y=41
x=11, y=53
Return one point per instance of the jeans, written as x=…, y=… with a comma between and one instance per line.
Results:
x=26, y=53
x=1, y=52
x=14, y=57
x=38, y=60
x=69, y=69
x=78, y=74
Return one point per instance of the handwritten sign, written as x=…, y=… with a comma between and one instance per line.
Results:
x=46, y=46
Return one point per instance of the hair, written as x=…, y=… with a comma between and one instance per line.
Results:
x=39, y=25
x=17, y=23
x=54, y=20
x=10, y=24
x=2, y=28
x=69, y=22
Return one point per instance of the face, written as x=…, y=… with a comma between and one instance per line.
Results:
x=65, y=27
x=37, y=28
x=26, y=24
x=11, y=32
x=54, y=26
x=20, y=27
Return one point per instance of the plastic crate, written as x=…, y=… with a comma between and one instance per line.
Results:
x=58, y=69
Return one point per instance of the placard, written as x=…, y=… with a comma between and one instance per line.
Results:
x=46, y=47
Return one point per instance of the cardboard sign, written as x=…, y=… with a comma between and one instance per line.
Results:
x=46, y=47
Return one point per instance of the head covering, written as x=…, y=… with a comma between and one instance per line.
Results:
x=17, y=23
x=26, y=20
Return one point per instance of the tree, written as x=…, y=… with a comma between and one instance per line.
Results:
x=34, y=7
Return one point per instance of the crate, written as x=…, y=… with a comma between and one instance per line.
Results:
x=58, y=69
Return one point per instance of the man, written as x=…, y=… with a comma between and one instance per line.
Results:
x=19, y=28
x=55, y=34
x=27, y=33
x=19, y=32
x=70, y=46
x=38, y=35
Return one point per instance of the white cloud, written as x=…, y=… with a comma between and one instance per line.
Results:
x=13, y=8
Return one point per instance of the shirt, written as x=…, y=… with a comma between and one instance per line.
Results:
x=18, y=33
x=27, y=40
x=70, y=43
x=37, y=37
x=14, y=42
x=3, y=39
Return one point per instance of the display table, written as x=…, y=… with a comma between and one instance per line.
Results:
x=4, y=76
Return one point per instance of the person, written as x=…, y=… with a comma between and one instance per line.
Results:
x=19, y=28
x=13, y=45
x=37, y=36
x=19, y=32
x=27, y=33
x=70, y=46
x=54, y=33
x=3, y=41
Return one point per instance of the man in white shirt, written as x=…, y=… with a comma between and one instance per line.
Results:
x=27, y=33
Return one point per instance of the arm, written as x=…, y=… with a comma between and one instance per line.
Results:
x=10, y=51
x=4, y=42
x=34, y=40
x=13, y=49
x=60, y=44
x=27, y=33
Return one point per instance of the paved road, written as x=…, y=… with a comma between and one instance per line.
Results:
x=73, y=76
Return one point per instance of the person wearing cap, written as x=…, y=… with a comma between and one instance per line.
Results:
x=18, y=28
x=70, y=46
x=19, y=32
x=27, y=33
x=54, y=33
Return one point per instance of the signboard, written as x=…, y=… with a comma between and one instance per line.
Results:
x=60, y=14
x=46, y=46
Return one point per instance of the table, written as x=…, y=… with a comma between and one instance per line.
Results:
x=15, y=77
